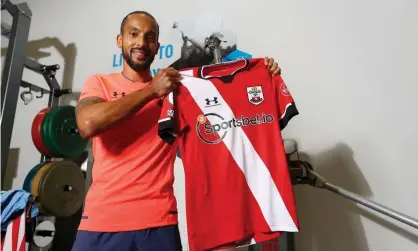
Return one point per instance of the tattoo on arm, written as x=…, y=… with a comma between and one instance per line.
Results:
x=87, y=102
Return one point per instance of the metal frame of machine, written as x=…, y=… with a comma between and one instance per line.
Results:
x=16, y=61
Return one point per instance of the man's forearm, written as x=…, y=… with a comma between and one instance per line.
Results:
x=97, y=118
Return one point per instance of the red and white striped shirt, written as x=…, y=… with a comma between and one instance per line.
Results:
x=228, y=119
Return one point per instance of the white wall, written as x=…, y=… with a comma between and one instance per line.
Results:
x=350, y=65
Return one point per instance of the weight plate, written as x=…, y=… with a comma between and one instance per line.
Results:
x=62, y=189
x=38, y=176
x=60, y=133
x=44, y=234
x=27, y=183
x=36, y=181
x=54, y=152
x=37, y=129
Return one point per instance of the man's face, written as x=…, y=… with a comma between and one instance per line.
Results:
x=139, y=41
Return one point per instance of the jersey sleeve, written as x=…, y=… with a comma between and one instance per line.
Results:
x=171, y=121
x=92, y=88
x=285, y=103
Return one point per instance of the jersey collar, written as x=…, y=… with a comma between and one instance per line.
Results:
x=224, y=71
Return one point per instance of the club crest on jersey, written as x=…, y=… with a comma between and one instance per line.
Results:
x=170, y=113
x=284, y=90
x=255, y=95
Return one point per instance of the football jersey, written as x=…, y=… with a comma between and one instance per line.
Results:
x=227, y=119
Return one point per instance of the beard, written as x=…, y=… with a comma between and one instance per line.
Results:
x=138, y=66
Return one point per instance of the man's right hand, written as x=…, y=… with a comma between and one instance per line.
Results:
x=165, y=81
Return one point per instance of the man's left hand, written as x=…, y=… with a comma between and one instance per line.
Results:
x=272, y=66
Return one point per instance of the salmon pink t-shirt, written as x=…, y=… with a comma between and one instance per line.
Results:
x=133, y=177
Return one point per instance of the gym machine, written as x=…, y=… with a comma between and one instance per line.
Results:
x=16, y=61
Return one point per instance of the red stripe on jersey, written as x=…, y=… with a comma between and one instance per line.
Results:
x=15, y=237
x=15, y=232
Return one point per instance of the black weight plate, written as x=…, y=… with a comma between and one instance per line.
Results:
x=62, y=189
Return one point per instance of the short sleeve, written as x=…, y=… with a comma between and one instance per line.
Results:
x=285, y=103
x=92, y=88
x=171, y=122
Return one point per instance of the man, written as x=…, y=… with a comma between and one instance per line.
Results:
x=130, y=204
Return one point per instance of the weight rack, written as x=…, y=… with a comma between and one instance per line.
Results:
x=16, y=61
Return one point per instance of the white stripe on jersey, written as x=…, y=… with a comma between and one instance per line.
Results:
x=10, y=239
x=22, y=234
x=256, y=173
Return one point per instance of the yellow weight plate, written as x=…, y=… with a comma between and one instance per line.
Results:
x=38, y=179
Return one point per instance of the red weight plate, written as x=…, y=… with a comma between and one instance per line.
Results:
x=37, y=130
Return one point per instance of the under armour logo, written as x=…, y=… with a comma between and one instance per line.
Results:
x=116, y=94
x=212, y=102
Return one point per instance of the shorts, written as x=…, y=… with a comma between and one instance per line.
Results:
x=166, y=238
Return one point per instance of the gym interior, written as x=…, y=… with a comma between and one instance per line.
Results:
x=350, y=66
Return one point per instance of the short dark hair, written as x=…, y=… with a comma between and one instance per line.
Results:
x=122, y=25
